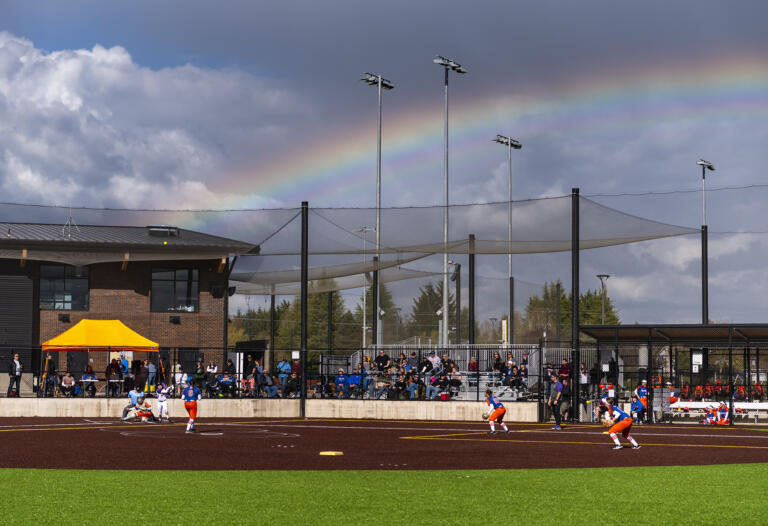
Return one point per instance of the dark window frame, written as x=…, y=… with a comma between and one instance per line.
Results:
x=187, y=289
x=50, y=303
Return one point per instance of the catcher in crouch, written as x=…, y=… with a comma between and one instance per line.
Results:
x=619, y=421
x=495, y=412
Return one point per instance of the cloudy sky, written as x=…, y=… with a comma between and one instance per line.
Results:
x=192, y=104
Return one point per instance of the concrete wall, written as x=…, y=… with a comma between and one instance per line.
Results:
x=265, y=408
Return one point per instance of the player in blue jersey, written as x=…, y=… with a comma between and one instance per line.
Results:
x=619, y=421
x=495, y=412
x=191, y=394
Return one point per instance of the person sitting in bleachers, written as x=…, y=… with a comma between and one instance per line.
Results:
x=342, y=384
x=227, y=385
x=89, y=382
x=68, y=384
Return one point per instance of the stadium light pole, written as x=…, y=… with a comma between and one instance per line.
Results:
x=602, y=278
x=381, y=83
x=705, y=165
x=448, y=65
x=364, y=230
x=511, y=144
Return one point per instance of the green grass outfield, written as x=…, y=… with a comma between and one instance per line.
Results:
x=651, y=495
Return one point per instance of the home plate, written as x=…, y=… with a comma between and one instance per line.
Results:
x=331, y=453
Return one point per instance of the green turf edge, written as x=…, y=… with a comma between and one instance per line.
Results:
x=634, y=495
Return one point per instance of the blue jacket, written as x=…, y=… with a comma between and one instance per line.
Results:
x=284, y=368
x=341, y=380
x=637, y=406
x=354, y=379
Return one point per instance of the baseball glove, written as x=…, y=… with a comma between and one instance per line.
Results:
x=607, y=422
x=486, y=415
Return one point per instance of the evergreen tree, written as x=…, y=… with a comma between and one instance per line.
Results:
x=423, y=321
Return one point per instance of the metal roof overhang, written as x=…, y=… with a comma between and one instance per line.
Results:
x=678, y=334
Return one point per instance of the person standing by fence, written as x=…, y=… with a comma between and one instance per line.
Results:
x=14, y=374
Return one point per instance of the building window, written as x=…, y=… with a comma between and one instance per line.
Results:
x=175, y=290
x=63, y=287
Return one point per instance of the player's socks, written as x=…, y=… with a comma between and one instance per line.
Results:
x=631, y=440
x=615, y=439
x=504, y=427
x=493, y=427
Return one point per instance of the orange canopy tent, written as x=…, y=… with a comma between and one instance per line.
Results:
x=100, y=335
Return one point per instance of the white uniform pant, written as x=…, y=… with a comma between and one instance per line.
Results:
x=162, y=407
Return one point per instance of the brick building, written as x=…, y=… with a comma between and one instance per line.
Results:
x=166, y=283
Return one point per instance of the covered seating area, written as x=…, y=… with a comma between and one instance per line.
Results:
x=690, y=368
x=110, y=372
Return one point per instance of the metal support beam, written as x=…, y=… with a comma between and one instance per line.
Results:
x=472, y=289
x=575, y=300
x=704, y=277
x=375, y=306
x=304, y=301
x=730, y=376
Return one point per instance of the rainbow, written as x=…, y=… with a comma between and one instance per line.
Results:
x=593, y=104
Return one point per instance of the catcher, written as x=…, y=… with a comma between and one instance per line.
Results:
x=495, y=412
x=618, y=421
x=142, y=410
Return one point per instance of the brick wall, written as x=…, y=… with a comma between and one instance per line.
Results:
x=125, y=296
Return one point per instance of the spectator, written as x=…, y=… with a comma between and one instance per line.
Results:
x=268, y=382
x=400, y=388
x=152, y=368
x=447, y=364
x=565, y=370
x=413, y=386
x=594, y=379
x=555, y=398
x=248, y=383
x=583, y=381
x=499, y=369
x=14, y=374
x=296, y=368
x=180, y=378
x=402, y=361
x=114, y=377
x=354, y=383
x=472, y=366
x=383, y=384
x=413, y=361
x=227, y=385
x=89, y=382
x=211, y=371
x=435, y=387
x=437, y=363
x=524, y=361
x=510, y=363
x=199, y=375
x=68, y=384
x=425, y=367
x=342, y=385
x=248, y=366
x=229, y=368
x=292, y=386
x=455, y=381
x=283, y=371
x=513, y=379
x=258, y=374
x=382, y=361
x=565, y=399
x=523, y=375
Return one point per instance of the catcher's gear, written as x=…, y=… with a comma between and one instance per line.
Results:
x=486, y=415
x=607, y=422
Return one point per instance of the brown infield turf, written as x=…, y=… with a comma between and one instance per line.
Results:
x=290, y=444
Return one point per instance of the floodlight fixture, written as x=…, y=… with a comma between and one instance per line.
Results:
x=706, y=164
x=439, y=312
x=448, y=63
x=373, y=80
x=507, y=141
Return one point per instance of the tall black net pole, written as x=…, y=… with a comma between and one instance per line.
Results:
x=272, y=330
x=458, y=303
x=330, y=322
x=472, y=293
x=704, y=277
x=511, y=319
x=304, y=301
x=374, y=305
x=575, y=300
x=730, y=376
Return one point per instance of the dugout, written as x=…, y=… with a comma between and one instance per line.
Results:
x=707, y=364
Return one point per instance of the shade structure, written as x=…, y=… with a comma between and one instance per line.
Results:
x=100, y=335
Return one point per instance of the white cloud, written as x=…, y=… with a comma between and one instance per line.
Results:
x=679, y=252
x=94, y=127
